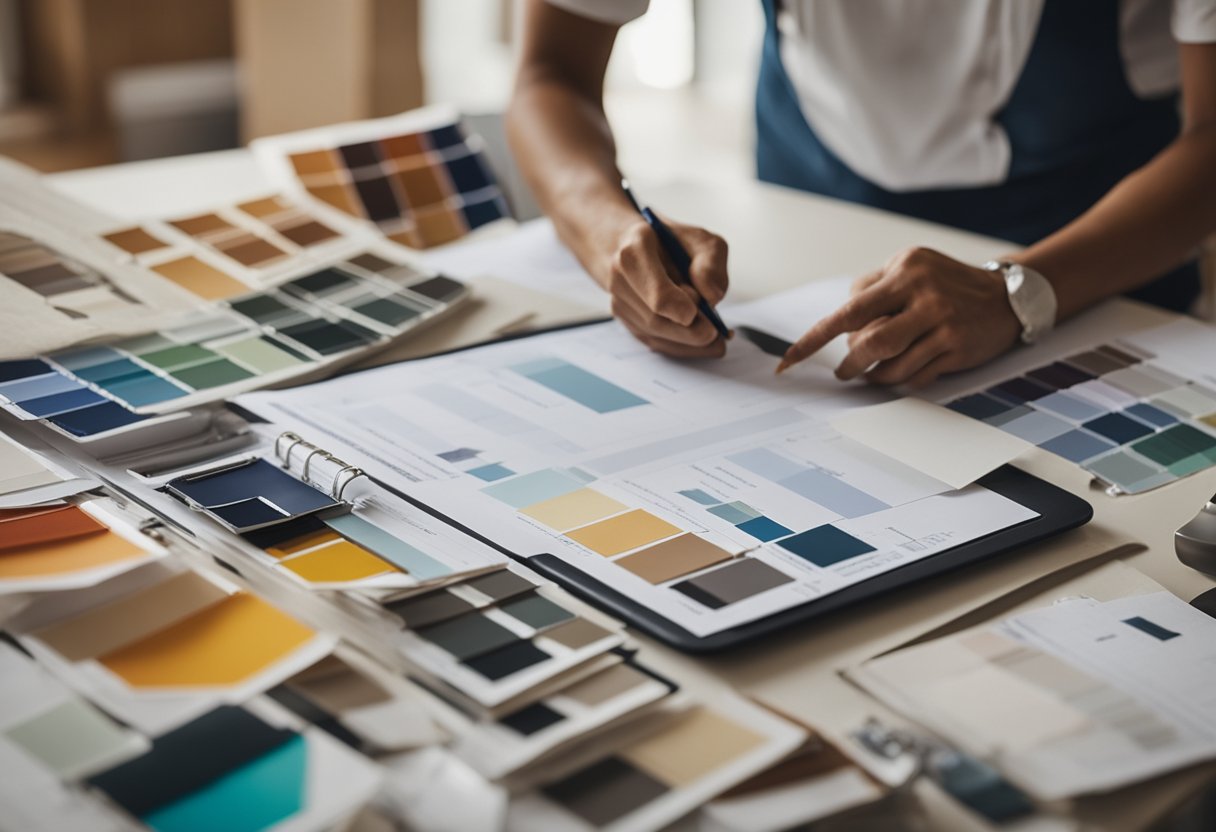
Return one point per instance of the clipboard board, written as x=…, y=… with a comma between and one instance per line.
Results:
x=1058, y=511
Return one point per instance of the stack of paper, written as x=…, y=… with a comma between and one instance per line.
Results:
x=1074, y=698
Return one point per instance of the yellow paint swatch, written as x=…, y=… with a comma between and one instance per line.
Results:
x=221, y=646
x=306, y=541
x=1209, y=420
x=624, y=532
x=578, y=508
x=693, y=747
x=62, y=557
x=198, y=278
x=343, y=561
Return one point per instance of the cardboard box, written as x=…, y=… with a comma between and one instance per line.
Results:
x=306, y=63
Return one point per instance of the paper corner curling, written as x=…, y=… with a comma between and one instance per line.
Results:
x=933, y=439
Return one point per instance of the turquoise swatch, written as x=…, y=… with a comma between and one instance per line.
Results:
x=251, y=798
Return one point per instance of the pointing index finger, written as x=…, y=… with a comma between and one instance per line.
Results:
x=861, y=309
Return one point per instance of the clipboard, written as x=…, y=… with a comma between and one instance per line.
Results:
x=1058, y=511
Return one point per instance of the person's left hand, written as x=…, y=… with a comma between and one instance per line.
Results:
x=921, y=315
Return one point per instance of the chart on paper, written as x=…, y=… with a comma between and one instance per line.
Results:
x=713, y=492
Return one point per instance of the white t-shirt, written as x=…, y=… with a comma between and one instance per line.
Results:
x=850, y=60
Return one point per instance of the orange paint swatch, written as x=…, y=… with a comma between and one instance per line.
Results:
x=198, y=278
x=221, y=646
x=22, y=527
x=343, y=561
x=61, y=557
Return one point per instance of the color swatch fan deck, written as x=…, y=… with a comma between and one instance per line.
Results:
x=418, y=177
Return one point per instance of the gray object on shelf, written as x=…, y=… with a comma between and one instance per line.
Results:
x=1195, y=542
x=174, y=109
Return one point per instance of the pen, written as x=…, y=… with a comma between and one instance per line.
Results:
x=678, y=255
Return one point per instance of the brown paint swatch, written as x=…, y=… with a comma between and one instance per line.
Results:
x=249, y=250
x=501, y=584
x=135, y=240
x=265, y=207
x=431, y=608
x=203, y=225
x=20, y=528
x=673, y=558
x=605, y=791
x=577, y=634
x=308, y=233
x=315, y=162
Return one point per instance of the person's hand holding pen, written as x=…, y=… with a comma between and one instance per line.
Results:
x=650, y=294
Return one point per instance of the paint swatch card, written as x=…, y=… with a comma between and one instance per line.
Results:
x=53, y=726
x=497, y=653
x=168, y=651
x=417, y=177
x=59, y=547
x=365, y=706
x=1066, y=699
x=233, y=769
x=60, y=285
x=28, y=478
x=251, y=494
x=574, y=714
x=650, y=782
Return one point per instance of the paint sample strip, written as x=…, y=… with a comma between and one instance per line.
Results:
x=211, y=648
x=403, y=555
x=1109, y=410
x=674, y=757
x=623, y=533
x=737, y=581
x=58, y=549
x=225, y=764
x=578, y=508
x=673, y=558
x=421, y=189
x=74, y=739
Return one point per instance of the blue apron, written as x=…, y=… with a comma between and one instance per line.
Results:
x=1075, y=130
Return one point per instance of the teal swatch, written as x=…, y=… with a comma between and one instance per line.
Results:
x=251, y=798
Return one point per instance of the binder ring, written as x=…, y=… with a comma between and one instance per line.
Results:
x=308, y=459
x=293, y=440
x=354, y=472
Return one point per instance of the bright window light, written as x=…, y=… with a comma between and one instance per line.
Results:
x=660, y=44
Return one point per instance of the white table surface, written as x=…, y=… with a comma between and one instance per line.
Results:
x=778, y=239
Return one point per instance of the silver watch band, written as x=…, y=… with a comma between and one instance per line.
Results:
x=1031, y=297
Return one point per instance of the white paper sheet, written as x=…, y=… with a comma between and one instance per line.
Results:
x=932, y=439
x=1069, y=699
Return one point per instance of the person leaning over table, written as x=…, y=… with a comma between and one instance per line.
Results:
x=1050, y=123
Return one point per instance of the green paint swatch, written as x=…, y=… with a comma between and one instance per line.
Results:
x=260, y=354
x=212, y=374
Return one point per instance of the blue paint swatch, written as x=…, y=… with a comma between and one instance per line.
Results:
x=90, y=421
x=1073, y=407
x=492, y=472
x=699, y=496
x=1154, y=416
x=1077, y=445
x=1154, y=630
x=825, y=545
x=730, y=514
x=1118, y=428
x=764, y=529
x=578, y=385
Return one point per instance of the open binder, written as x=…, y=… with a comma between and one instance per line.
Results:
x=1057, y=511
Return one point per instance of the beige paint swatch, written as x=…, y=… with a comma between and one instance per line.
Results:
x=110, y=626
x=693, y=747
x=606, y=685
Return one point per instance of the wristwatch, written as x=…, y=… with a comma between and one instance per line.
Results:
x=1031, y=296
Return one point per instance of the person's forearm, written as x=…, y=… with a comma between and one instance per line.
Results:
x=565, y=148
x=1150, y=223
